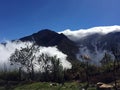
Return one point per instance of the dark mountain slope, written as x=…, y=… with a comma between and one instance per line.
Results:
x=50, y=38
x=101, y=42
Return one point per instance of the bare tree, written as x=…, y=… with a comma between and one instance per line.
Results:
x=25, y=58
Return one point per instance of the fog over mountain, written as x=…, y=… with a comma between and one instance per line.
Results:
x=48, y=37
x=75, y=35
x=68, y=45
x=96, y=41
x=6, y=50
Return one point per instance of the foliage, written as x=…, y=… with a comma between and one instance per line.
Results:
x=25, y=58
x=51, y=68
x=56, y=86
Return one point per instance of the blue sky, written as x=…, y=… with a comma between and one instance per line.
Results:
x=19, y=18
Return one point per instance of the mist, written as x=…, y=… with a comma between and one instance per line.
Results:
x=95, y=57
x=97, y=53
x=76, y=35
x=6, y=50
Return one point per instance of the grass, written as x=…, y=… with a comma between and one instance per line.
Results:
x=46, y=86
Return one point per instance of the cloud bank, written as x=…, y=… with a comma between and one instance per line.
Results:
x=53, y=51
x=98, y=53
x=9, y=48
x=78, y=34
x=95, y=57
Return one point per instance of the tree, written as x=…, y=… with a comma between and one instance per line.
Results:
x=86, y=60
x=107, y=62
x=116, y=66
x=57, y=70
x=44, y=64
x=25, y=59
x=51, y=66
x=29, y=57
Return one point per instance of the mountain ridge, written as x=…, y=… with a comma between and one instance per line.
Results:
x=48, y=37
x=94, y=45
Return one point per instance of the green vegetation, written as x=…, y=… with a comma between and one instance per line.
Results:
x=52, y=76
x=50, y=86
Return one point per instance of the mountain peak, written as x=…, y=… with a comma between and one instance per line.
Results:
x=48, y=37
x=45, y=30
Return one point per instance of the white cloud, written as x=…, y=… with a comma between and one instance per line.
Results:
x=98, y=53
x=77, y=34
x=9, y=48
x=53, y=51
x=95, y=57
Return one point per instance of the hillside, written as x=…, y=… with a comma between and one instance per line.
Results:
x=50, y=38
x=95, y=42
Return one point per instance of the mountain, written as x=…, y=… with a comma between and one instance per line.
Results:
x=47, y=37
x=100, y=42
x=95, y=42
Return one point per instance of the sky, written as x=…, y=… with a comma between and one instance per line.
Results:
x=20, y=18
